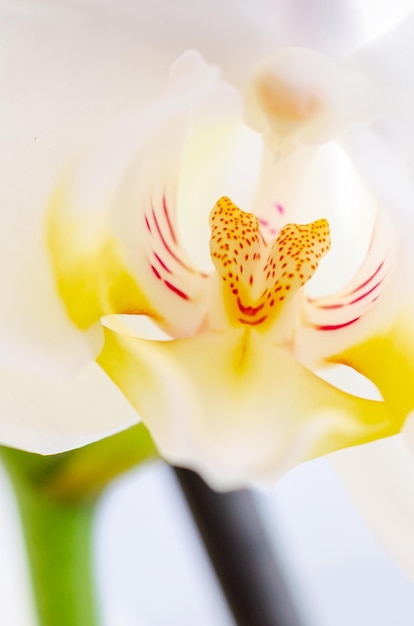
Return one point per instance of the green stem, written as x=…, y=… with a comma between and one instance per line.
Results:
x=58, y=540
x=56, y=497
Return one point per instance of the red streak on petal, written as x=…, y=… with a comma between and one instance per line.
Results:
x=368, y=279
x=337, y=326
x=156, y=272
x=279, y=207
x=161, y=262
x=167, y=217
x=167, y=247
x=364, y=295
x=330, y=306
x=251, y=322
x=339, y=305
x=177, y=291
x=249, y=310
x=147, y=223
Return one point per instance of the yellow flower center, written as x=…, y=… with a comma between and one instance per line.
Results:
x=257, y=277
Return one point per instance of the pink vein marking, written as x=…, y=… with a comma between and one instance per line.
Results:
x=249, y=310
x=337, y=326
x=325, y=307
x=364, y=295
x=177, y=291
x=340, y=305
x=253, y=323
x=156, y=272
x=147, y=223
x=161, y=262
x=279, y=207
x=167, y=217
x=167, y=247
x=368, y=279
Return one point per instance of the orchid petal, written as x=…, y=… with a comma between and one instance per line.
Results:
x=227, y=404
x=366, y=305
x=138, y=203
x=368, y=327
x=55, y=96
x=48, y=416
x=383, y=156
x=337, y=25
x=234, y=35
x=388, y=63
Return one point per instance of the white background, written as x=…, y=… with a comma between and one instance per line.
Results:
x=152, y=569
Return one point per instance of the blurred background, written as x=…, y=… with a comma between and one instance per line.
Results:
x=153, y=571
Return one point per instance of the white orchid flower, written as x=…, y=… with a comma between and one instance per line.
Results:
x=106, y=234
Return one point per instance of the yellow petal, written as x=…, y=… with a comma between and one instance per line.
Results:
x=387, y=359
x=234, y=407
x=92, y=277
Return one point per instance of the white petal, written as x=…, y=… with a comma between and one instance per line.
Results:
x=65, y=71
x=337, y=25
x=383, y=156
x=368, y=306
x=379, y=477
x=140, y=159
x=40, y=414
x=389, y=64
x=375, y=264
